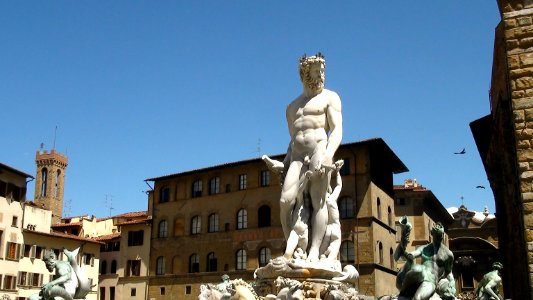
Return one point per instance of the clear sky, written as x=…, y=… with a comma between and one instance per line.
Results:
x=141, y=89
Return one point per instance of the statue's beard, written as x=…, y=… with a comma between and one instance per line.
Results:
x=314, y=84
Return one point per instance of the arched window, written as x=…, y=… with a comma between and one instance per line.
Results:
x=379, y=208
x=213, y=223
x=197, y=188
x=240, y=263
x=391, y=257
x=164, y=194
x=160, y=266
x=56, y=184
x=242, y=219
x=346, y=208
x=44, y=182
x=196, y=225
x=194, y=263
x=103, y=267
x=113, y=266
x=389, y=216
x=347, y=252
x=163, y=229
x=263, y=216
x=211, y=265
x=380, y=249
x=264, y=256
x=214, y=185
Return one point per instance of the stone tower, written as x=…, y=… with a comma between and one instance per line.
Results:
x=505, y=143
x=50, y=181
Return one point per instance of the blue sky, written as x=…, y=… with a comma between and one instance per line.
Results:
x=140, y=89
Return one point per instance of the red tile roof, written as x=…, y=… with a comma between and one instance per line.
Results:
x=66, y=224
x=63, y=235
x=108, y=237
x=132, y=214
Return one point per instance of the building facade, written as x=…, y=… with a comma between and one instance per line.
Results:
x=225, y=220
x=474, y=243
x=504, y=142
x=25, y=234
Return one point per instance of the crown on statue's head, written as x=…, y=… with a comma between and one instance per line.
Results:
x=308, y=60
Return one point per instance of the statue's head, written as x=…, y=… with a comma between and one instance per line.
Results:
x=312, y=71
x=225, y=278
x=497, y=266
x=437, y=232
x=50, y=260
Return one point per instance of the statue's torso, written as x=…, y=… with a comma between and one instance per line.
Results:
x=308, y=122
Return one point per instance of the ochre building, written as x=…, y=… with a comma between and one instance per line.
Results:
x=225, y=220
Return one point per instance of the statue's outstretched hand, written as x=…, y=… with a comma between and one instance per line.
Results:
x=274, y=165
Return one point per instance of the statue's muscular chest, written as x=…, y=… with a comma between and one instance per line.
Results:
x=309, y=108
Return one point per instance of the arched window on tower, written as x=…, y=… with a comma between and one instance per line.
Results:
x=44, y=181
x=56, y=184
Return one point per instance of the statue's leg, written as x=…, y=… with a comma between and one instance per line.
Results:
x=297, y=229
x=425, y=291
x=289, y=193
x=59, y=291
x=319, y=217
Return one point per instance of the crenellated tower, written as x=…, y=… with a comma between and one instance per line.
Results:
x=50, y=181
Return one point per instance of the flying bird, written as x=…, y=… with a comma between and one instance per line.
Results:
x=480, y=187
x=461, y=152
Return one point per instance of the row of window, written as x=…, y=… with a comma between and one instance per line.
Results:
x=24, y=279
x=214, y=183
x=110, y=247
x=212, y=261
x=381, y=259
x=133, y=267
x=16, y=251
x=347, y=255
x=345, y=204
x=103, y=267
x=263, y=220
x=390, y=218
x=214, y=186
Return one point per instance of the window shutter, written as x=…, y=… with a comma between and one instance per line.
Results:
x=20, y=252
x=33, y=251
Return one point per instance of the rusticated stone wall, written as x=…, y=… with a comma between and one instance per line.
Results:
x=518, y=26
